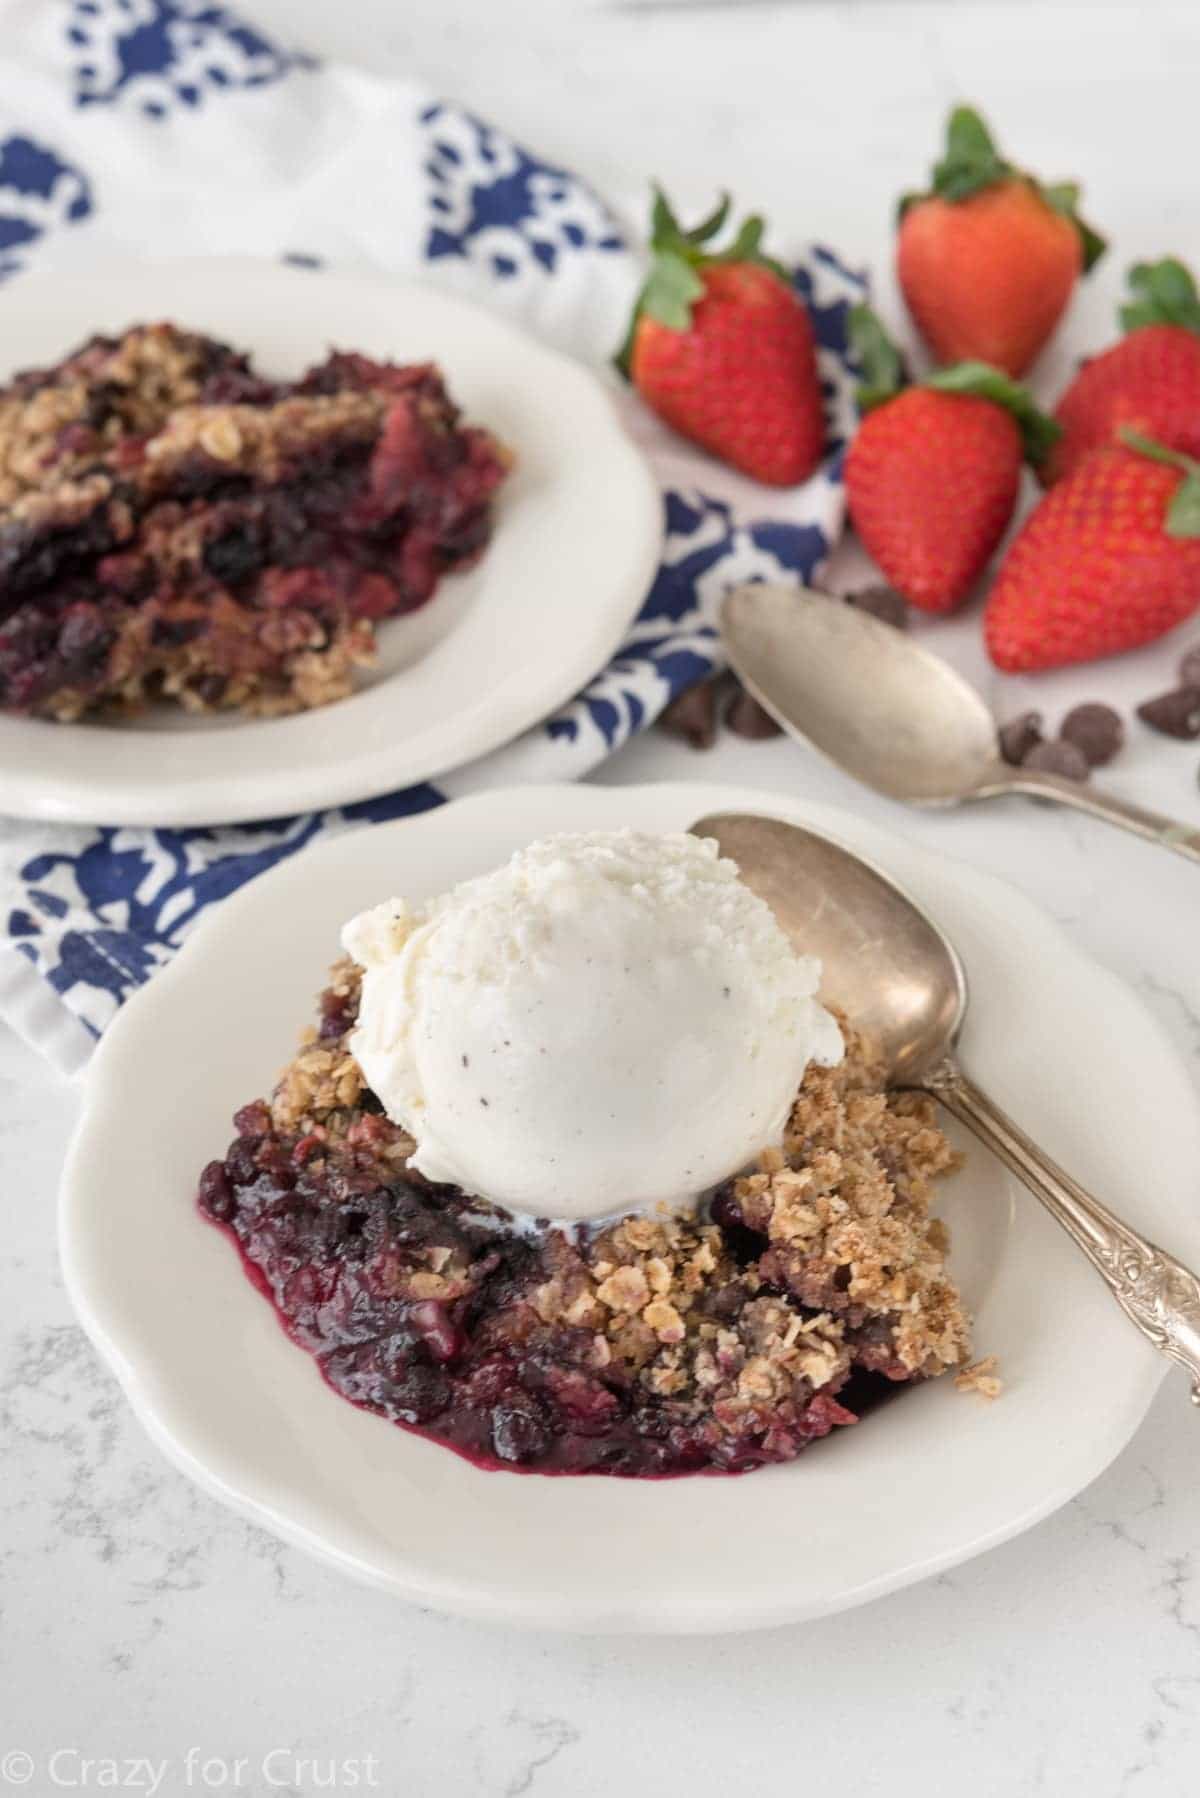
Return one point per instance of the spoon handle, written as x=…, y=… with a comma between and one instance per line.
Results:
x=1156, y=1292
x=1143, y=823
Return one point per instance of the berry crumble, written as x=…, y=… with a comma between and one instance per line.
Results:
x=172, y=525
x=653, y=1345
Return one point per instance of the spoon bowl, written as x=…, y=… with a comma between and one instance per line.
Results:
x=884, y=962
x=889, y=967
x=891, y=714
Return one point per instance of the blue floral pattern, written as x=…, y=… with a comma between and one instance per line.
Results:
x=99, y=915
x=159, y=55
x=495, y=205
x=96, y=912
x=39, y=193
x=829, y=289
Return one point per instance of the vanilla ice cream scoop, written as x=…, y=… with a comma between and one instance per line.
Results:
x=608, y=1023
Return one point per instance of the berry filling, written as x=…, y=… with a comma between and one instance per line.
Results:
x=172, y=525
x=650, y=1347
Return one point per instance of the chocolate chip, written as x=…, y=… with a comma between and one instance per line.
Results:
x=1189, y=667
x=1058, y=758
x=1096, y=731
x=692, y=715
x=746, y=718
x=881, y=602
x=1019, y=736
x=1175, y=714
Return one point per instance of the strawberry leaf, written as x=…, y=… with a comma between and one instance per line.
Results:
x=1094, y=245
x=1038, y=432
x=747, y=247
x=748, y=242
x=1183, y=513
x=668, y=294
x=1162, y=293
x=708, y=228
x=1155, y=451
x=666, y=233
x=967, y=136
x=971, y=161
x=1063, y=197
x=878, y=360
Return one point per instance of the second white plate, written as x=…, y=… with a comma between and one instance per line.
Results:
x=925, y=1482
x=577, y=535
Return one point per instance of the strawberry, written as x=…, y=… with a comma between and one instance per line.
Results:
x=1109, y=560
x=933, y=472
x=721, y=347
x=987, y=260
x=1149, y=381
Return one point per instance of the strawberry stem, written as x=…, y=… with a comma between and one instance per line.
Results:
x=971, y=162
x=672, y=286
x=879, y=361
x=1161, y=293
x=1039, y=433
x=708, y=228
x=679, y=258
x=1063, y=197
x=883, y=375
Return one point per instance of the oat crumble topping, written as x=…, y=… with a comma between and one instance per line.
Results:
x=172, y=525
x=721, y=1340
x=981, y=1377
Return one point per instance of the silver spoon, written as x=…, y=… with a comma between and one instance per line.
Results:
x=888, y=966
x=890, y=713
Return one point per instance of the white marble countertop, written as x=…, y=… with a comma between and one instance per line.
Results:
x=142, y=1623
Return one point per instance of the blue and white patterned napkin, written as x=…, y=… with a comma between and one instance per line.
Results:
x=154, y=128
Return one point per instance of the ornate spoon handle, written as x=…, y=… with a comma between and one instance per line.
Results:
x=1156, y=1292
x=1153, y=826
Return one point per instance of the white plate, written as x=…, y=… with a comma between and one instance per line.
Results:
x=578, y=531
x=925, y=1482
